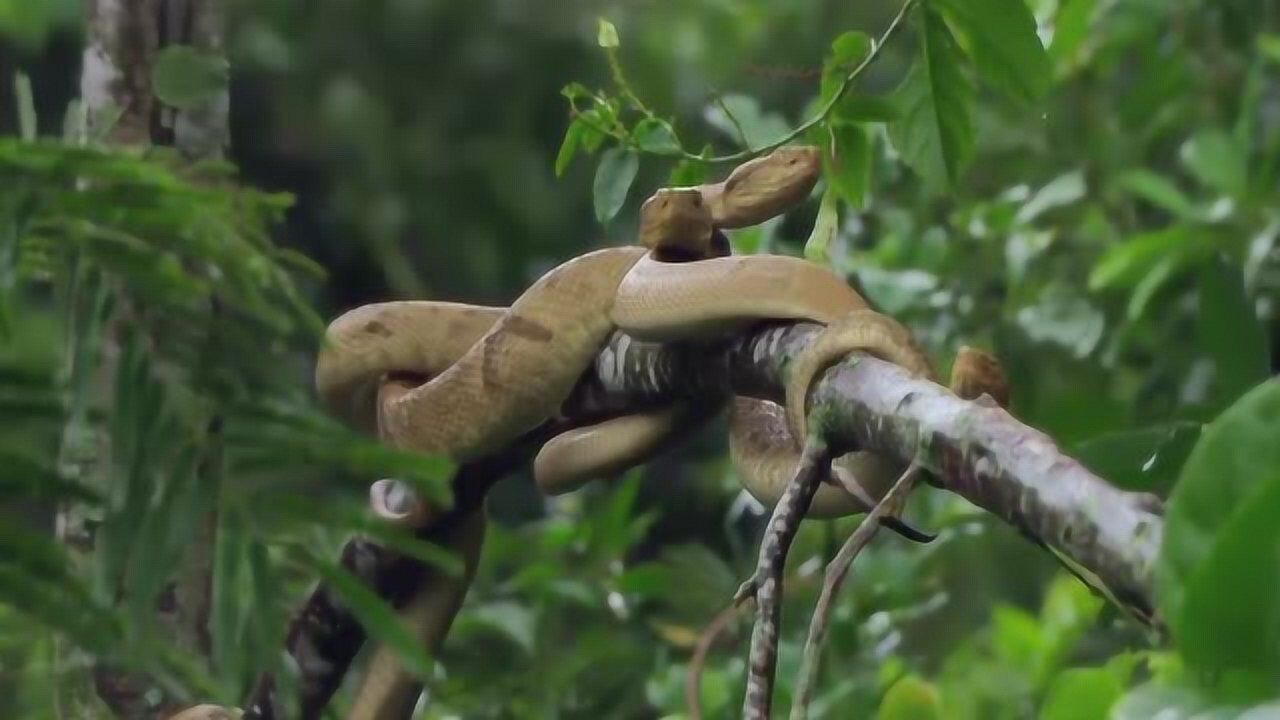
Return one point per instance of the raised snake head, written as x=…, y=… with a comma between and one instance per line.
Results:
x=767, y=186
x=680, y=222
x=676, y=221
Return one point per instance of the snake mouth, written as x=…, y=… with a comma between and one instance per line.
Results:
x=407, y=378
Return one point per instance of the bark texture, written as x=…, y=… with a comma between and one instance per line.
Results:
x=973, y=448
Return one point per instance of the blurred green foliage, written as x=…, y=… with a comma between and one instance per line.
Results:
x=1088, y=187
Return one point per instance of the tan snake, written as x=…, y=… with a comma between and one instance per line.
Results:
x=487, y=375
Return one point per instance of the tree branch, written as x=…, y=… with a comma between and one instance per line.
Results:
x=834, y=577
x=1109, y=536
x=974, y=449
x=766, y=583
x=325, y=636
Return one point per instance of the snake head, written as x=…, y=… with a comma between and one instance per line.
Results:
x=767, y=186
x=676, y=221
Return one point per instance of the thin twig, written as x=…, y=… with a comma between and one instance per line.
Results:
x=837, y=570
x=624, y=87
x=777, y=72
x=848, y=82
x=733, y=120
x=796, y=132
x=766, y=583
x=693, y=676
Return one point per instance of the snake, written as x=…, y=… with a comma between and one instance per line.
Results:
x=483, y=376
x=493, y=373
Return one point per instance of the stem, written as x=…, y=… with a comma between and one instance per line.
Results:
x=837, y=570
x=766, y=582
x=693, y=677
x=742, y=135
x=624, y=87
x=796, y=132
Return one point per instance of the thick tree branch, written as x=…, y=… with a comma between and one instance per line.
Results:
x=974, y=449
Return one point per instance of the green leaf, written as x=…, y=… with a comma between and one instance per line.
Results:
x=28, y=477
x=230, y=556
x=568, y=146
x=273, y=436
x=185, y=77
x=617, y=525
x=338, y=516
x=64, y=606
x=1157, y=701
x=513, y=620
x=911, y=698
x=606, y=34
x=1218, y=579
x=1158, y=191
x=1268, y=45
x=1081, y=694
x=1058, y=192
x=697, y=580
x=741, y=118
x=1069, y=609
x=1002, y=38
x=591, y=137
x=846, y=50
x=1230, y=331
x=375, y=615
x=1017, y=636
x=848, y=163
x=865, y=108
x=576, y=91
x=1215, y=159
x=1148, y=459
x=656, y=136
x=28, y=24
x=614, y=175
x=934, y=132
x=687, y=173
x=1125, y=264
x=1071, y=31
x=1166, y=269
x=1064, y=320
x=824, y=229
x=849, y=47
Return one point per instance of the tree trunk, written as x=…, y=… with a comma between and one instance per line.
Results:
x=123, y=41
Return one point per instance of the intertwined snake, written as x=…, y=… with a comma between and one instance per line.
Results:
x=494, y=373
x=470, y=380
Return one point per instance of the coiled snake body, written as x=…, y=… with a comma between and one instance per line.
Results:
x=489, y=375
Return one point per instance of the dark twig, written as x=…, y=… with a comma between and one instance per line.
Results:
x=837, y=570
x=693, y=676
x=765, y=584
